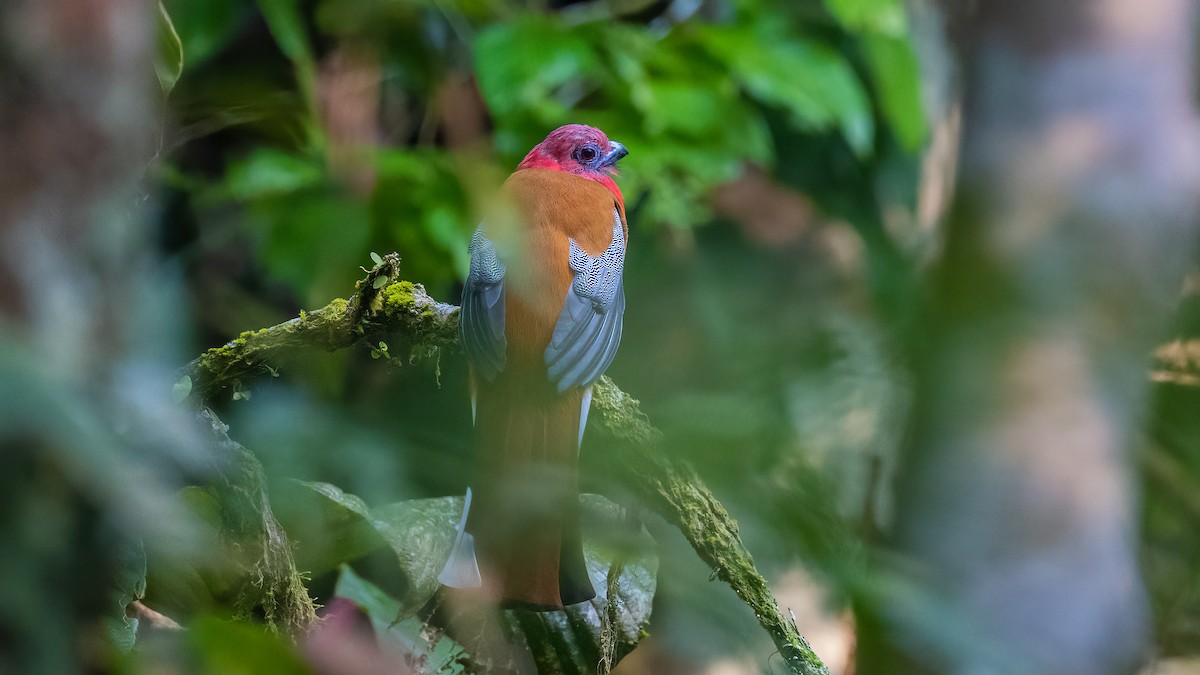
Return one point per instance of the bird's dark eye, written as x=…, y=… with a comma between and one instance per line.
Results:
x=587, y=153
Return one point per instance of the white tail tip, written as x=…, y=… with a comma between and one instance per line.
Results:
x=461, y=569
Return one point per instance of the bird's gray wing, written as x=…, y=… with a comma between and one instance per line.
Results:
x=481, y=320
x=588, y=330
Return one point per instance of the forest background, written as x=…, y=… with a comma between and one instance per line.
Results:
x=911, y=300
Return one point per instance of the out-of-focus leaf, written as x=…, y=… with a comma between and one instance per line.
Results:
x=131, y=585
x=236, y=648
x=883, y=33
x=897, y=79
x=314, y=239
x=883, y=17
x=808, y=79
x=445, y=227
x=379, y=606
x=287, y=27
x=675, y=174
x=169, y=64
x=333, y=527
x=267, y=171
x=181, y=388
x=364, y=16
x=187, y=573
x=420, y=203
x=314, y=234
x=522, y=64
x=204, y=26
x=421, y=532
x=682, y=107
x=433, y=651
x=330, y=526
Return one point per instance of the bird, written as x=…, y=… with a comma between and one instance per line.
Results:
x=540, y=322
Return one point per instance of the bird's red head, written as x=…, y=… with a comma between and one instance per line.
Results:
x=581, y=150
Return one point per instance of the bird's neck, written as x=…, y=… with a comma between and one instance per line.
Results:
x=611, y=184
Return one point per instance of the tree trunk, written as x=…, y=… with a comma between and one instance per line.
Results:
x=1067, y=246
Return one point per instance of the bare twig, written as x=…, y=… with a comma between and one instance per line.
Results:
x=153, y=619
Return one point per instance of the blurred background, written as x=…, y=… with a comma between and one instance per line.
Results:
x=908, y=284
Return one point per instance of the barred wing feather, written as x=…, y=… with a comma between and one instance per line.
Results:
x=588, y=330
x=481, y=320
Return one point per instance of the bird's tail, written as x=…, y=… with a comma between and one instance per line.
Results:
x=462, y=569
x=526, y=514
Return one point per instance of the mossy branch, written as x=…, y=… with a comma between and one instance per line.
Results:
x=268, y=584
x=672, y=488
x=381, y=306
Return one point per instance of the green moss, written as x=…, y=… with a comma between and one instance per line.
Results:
x=623, y=415
x=217, y=358
x=399, y=297
x=336, y=306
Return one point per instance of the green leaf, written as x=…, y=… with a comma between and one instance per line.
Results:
x=376, y=258
x=183, y=584
x=437, y=652
x=267, y=172
x=420, y=532
x=810, y=80
x=420, y=202
x=313, y=232
x=131, y=585
x=882, y=17
x=521, y=64
x=169, y=64
x=897, y=79
x=330, y=526
x=328, y=523
x=204, y=27
x=287, y=27
x=237, y=648
x=286, y=23
x=315, y=239
x=682, y=107
x=380, y=282
x=181, y=388
x=379, y=606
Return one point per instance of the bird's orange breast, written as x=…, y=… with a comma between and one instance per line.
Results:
x=551, y=207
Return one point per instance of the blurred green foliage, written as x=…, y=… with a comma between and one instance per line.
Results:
x=696, y=98
x=772, y=190
x=305, y=134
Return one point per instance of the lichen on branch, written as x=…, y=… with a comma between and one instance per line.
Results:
x=386, y=307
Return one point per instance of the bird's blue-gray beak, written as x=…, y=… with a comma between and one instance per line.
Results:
x=615, y=152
